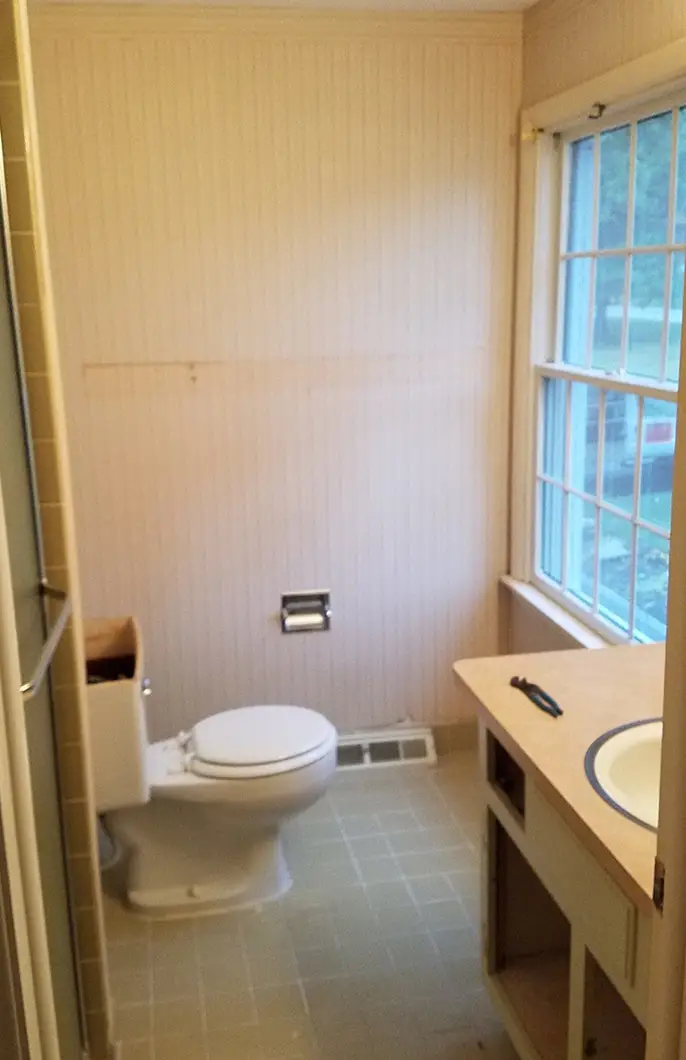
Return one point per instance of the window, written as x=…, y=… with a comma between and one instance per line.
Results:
x=607, y=406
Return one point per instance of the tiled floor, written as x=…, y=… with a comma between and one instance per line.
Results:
x=373, y=955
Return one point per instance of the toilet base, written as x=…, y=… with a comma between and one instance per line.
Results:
x=184, y=860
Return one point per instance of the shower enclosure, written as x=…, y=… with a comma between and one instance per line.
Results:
x=32, y=618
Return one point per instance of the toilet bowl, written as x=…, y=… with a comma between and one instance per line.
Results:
x=208, y=838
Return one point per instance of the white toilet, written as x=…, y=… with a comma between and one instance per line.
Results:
x=203, y=811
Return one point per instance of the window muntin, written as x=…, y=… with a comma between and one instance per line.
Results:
x=607, y=423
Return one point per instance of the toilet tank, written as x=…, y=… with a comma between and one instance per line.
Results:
x=116, y=713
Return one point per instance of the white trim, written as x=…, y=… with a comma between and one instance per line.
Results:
x=623, y=252
x=628, y=384
x=535, y=323
x=643, y=80
x=594, y=619
x=643, y=83
x=559, y=616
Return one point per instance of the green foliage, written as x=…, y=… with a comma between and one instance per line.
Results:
x=651, y=206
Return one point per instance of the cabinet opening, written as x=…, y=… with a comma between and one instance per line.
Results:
x=611, y=1031
x=529, y=948
x=506, y=776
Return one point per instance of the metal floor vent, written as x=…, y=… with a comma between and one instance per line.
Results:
x=386, y=747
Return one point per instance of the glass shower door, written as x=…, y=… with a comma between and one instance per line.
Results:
x=34, y=641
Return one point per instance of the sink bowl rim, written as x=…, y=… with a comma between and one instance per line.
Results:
x=589, y=767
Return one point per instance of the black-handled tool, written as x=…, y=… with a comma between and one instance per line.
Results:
x=538, y=696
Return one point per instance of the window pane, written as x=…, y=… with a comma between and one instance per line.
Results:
x=577, y=308
x=653, y=159
x=646, y=314
x=608, y=311
x=554, y=428
x=680, y=216
x=583, y=446
x=676, y=310
x=652, y=577
x=619, y=452
x=657, y=462
x=581, y=549
x=615, y=147
x=580, y=236
x=550, y=529
x=615, y=568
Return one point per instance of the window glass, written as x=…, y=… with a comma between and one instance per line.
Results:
x=652, y=577
x=554, y=431
x=581, y=549
x=608, y=313
x=653, y=167
x=583, y=447
x=580, y=235
x=646, y=314
x=614, y=555
x=577, y=309
x=657, y=462
x=619, y=449
x=608, y=420
x=676, y=310
x=613, y=209
x=680, y=210
x=550, y=530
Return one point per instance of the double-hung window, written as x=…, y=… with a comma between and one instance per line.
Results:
x=607, y=395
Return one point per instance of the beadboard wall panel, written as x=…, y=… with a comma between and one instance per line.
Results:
x=567, y=42
x=282, y=249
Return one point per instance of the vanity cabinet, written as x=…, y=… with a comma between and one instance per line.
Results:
x=565, y=951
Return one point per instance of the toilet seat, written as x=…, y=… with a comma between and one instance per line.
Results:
x=258, y=741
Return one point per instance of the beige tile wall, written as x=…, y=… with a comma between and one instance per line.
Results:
x=22, y=176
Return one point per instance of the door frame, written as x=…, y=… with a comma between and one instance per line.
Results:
x=17, y=821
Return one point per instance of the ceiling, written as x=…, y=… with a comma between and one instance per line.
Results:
x=475, y=6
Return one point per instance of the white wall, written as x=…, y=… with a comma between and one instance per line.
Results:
x=567, y=42
x=282, y=247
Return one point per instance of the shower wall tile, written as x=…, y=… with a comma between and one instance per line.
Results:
x=40, y=406
x=32, y=338
x=9, y=67
x=47, y=471
x=19, y=202
x=12, y=127
x=25, y=265
x=44, y=389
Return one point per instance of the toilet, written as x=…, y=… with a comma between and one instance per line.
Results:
x=199, y=816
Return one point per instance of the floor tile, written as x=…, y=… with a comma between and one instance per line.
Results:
x=372, y=955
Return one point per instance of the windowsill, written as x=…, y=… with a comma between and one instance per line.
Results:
x=576, y=630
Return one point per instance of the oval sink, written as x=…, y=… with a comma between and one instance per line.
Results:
x=623, y=765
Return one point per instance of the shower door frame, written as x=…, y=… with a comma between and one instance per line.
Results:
x=30, y=970
x=30, y=965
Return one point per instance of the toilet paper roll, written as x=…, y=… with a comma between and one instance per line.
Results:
x=292, y=623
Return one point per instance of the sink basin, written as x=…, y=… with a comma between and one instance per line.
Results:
x=623, y=765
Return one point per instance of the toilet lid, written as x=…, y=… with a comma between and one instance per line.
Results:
x=251, y=736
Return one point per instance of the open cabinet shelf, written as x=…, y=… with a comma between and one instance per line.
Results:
x=611, y=1031
x=536, y=987
x=529, y=949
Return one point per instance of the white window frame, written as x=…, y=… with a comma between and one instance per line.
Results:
x=636, y=90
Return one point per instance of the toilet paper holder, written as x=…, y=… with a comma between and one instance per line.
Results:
x=307, y=611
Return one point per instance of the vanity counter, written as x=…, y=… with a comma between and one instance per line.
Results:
x=598, y=690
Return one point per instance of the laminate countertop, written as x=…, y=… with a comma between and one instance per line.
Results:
x=597, y=690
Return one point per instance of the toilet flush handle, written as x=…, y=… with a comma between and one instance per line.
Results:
x=146, y=687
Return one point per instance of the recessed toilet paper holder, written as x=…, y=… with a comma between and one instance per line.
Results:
x=308, y=611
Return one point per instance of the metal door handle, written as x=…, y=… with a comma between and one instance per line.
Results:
x=29, y=689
